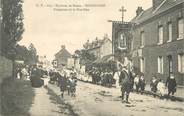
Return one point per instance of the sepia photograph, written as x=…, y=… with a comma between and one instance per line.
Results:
x=91, y=57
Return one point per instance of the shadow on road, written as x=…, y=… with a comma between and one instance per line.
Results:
x=64, y=107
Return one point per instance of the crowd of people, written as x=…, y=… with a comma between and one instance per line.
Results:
x=104, y=78
x=167, y=88
x=23, y=72
x=39, y=77
x=128, y=81
x=66, y=82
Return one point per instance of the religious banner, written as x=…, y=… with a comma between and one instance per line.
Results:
x=121, y=37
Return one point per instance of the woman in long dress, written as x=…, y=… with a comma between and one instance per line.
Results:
x=116, y=77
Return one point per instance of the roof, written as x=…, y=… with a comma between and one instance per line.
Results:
x=63, y=52
x=151, y=12
x=96, y=43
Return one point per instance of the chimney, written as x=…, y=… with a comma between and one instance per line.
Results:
x=156, y=3
x=96, y=39
x=63, y=47
x=139, y=11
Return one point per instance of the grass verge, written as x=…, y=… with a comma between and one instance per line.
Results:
x=16, y=97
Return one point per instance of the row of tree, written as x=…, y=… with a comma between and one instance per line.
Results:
x=12, y=26
x=11, y=32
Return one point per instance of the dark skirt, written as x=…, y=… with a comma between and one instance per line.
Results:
x=126, y=87
x=62, y=88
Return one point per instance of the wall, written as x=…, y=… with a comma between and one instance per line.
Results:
x=106, y=48
x=5, y=68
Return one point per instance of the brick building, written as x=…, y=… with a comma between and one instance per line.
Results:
x=158, y=40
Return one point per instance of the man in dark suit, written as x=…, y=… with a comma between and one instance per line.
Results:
x=171, y=84
x=125, y=84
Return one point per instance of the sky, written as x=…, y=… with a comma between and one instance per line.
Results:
x=48, y=29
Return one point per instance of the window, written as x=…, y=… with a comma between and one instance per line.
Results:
x=142, y=39
x=169, y=32
x=181, y=63
x=142, y=65
x=160, y=64
x=170, y=64
x=180, y=28
x=160, y=35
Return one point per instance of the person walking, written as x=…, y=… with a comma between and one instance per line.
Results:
x=142, y=83
x=171, y=84
x=73, y=86
x=125, y=85
x=24, y=73
x=62, y=84
x=19, y=73
x=137, y=83
x=161, y=88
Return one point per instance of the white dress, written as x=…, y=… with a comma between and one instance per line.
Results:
x=161, y=88
x=116, y=77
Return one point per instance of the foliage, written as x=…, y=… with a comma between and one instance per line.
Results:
x=12, y=24
x=86, y=57
x=29, y=56
x=33, y=54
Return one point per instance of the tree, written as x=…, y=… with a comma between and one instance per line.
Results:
x=28, y=55
x=33, y=54
x=86, y=57
x=22, y=53
x=12, y=24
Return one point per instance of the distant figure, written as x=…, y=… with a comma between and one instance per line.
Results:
x=24, y=74
x=153, y=85
x=137, y=82
x=142, y=83
x=171, y=84
x=161, y=88
x=116, y=77
x=19, y=73
x=73, y=86
x=46, y=79
x=62, y=84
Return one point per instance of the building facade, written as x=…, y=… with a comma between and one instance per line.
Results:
x=62, y=57
x=99, y=48
x=44, y=62
x=158, y=40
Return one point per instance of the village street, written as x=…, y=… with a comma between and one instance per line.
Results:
x=94, y=100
